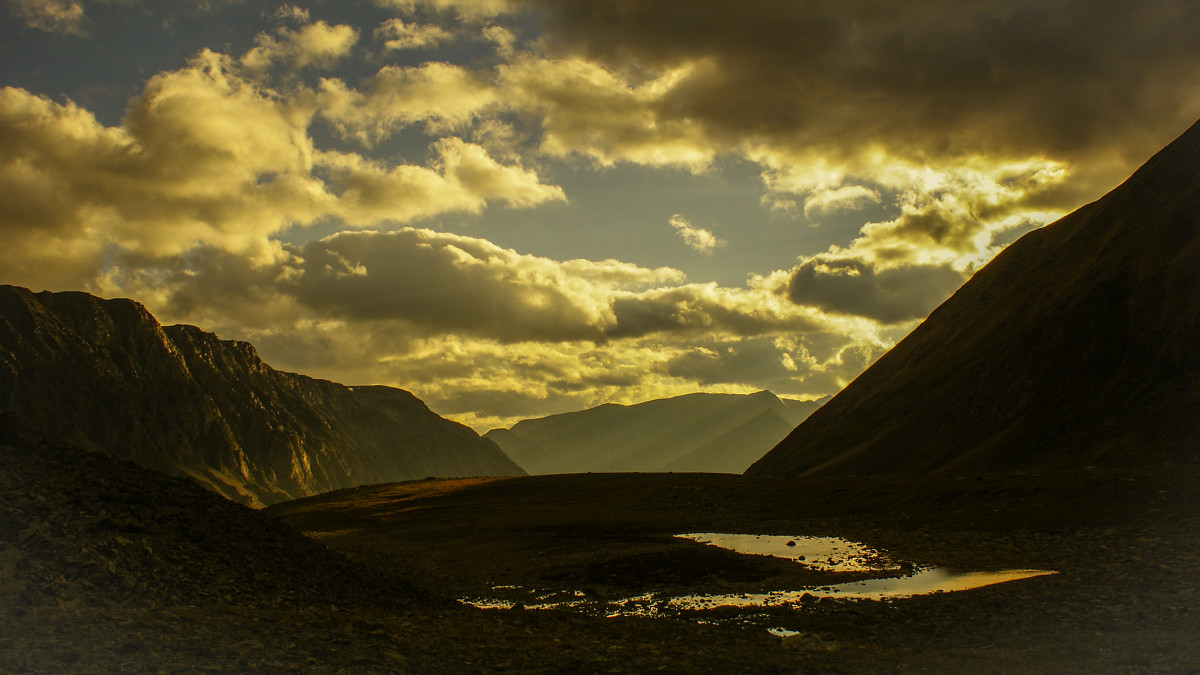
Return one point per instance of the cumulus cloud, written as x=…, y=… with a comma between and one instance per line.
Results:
x=462, y=177
x=440, y=95
x=697, y=238
x=585, y=109
x=201, y=156
x=316, y=45
x=440, y=283
x=456, y=284
x=207, y=157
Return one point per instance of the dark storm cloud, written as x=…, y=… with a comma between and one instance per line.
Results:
x=933, y=77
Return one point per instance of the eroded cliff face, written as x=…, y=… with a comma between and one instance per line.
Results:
x=104, y=374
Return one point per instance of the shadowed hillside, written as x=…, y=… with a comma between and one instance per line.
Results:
x=721, y=433
x=104, y=374
x=1076, y=346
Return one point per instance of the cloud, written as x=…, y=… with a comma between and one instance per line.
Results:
x=708, y=309
x=463, y=177
x=440, y=95
x=316, y=45
x=781, y=365
x=847, y=285
x=1010, y=78
x=698, y=239
x=208, y=157
x=53, y=16
x=584, y=109
x=291, y=14
x=822, y=201
x=949, y=221
x=447, y=283
x=465, y=9
x=399, y=35
x=200, y=157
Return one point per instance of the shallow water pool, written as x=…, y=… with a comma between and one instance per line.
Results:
x=823, y=553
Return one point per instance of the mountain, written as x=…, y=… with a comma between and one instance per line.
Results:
x=720, y=433
x=1079, y=345
x=82, y=526
x=103, y=374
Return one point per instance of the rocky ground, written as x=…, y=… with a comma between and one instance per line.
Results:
x=105, y=567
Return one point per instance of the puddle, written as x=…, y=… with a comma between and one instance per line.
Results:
x=822, y=553
x=828, y=554
x=923, y=582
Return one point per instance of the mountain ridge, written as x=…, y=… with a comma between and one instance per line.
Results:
x=692, y=432
x=104, y=374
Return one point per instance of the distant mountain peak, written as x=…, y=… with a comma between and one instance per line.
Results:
x=691, y=432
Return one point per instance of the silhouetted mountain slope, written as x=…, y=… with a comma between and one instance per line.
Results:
x=84, y=526
x=696, y=432
x=104, y=374
x=1078, y=345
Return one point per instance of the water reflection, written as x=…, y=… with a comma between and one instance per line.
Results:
x=829, y=554
x=923, y=582
x=823, y=553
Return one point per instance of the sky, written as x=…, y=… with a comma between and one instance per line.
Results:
x=515, y=208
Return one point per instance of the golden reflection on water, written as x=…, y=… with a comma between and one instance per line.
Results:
x=823, y=553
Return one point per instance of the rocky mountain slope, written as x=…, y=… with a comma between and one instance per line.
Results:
x=698, y=432
x=87, y=528
x=1075, y=347
x=103, y=374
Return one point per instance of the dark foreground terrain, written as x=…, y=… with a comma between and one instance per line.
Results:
x=107, y=567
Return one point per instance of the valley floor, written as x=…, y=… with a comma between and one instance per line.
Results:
x=1126, y=544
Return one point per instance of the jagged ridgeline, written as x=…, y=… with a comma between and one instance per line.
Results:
x=103, y=374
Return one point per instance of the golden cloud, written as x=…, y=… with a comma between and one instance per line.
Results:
x=587, y=110
x=316, y=45
x=399, y=35
x=465, y=9
x=208, y=157
x=697, y=238
x=441, y=95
